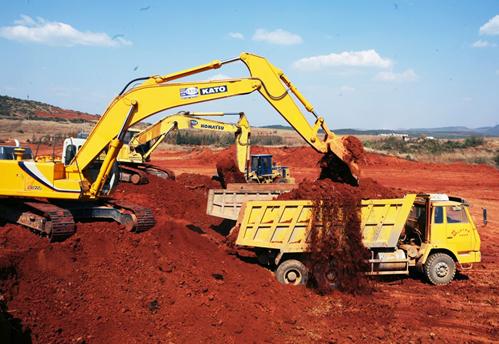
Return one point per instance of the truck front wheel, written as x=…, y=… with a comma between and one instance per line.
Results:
x=292, y=272
x=440, y=268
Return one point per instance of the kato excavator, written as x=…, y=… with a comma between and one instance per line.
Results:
x=134, y=156
x=75, y=191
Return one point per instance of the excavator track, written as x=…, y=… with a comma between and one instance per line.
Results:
x=43, y=218
x=133, y=175
x=60, y=220
x=139, y=175
x=160, y=172
x=144, y=217
x=57, y=221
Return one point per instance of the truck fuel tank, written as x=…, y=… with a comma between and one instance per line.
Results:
x=391, y=261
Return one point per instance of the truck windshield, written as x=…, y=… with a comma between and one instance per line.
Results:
x=456, y=214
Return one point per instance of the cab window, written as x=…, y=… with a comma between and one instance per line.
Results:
x=456, y=214
x=439, y=215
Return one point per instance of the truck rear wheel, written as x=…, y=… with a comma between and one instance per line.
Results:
x=440, y=269
x=292, y=272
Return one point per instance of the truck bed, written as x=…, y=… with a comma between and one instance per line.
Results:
x=286, y=225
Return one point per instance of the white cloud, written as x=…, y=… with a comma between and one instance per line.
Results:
x=491, y=27
x=483, y=44
x=363, y=58
x=45, y=32
x=279, y=36
x=407, y=75
x=236, y=35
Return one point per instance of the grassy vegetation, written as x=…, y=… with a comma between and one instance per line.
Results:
x=11, y=107
x=396, y=145
x=183, y=137
x=473, y=149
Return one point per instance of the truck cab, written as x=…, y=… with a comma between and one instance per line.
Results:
x=440, y=234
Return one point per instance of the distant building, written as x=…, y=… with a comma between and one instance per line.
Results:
x=404, y=137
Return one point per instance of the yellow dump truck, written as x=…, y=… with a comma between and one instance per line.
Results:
x=432, y=233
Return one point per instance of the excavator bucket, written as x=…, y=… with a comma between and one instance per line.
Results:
x=341, y=161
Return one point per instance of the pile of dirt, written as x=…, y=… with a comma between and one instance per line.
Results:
x=195, y=181
x=336, y=241
x=172, y=283
x=183, y=198
x=338, y=170
x=228, y=172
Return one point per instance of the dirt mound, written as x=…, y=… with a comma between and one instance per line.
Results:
x=184, y=198
x=338, y=249
x=174, y=283
x=228, y=172
x=195, y=181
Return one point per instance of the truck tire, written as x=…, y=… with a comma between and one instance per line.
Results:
x=292, y=272
x=440, y=268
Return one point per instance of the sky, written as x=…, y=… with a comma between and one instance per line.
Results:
x=362, y=64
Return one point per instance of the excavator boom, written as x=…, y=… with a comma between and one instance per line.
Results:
x=198, y=120
x=159, y=93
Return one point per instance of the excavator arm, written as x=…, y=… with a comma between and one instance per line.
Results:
x=158, y=93
x=187, y=120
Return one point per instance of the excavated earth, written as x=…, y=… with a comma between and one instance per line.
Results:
x=178, y=282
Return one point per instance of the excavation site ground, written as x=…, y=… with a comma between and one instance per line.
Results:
x=180, y=283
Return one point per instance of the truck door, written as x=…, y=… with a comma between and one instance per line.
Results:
x=438, y=233
x=459, y=230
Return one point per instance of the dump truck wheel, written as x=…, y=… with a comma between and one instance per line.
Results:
x=440, y=269
x=292, y=272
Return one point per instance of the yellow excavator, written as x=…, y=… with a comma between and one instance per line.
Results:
x=134, y=156
x=74, y=191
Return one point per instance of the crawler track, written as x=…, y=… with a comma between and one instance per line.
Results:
x=144, y=217
x=41, y=217
x=139, y=174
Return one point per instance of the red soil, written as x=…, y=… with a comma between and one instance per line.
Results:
x=338, y=250
x=228, y=172
x=176, y=282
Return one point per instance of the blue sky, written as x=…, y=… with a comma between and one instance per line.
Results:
x=363, y=64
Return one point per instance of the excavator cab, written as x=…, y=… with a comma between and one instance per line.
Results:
x=264, y=170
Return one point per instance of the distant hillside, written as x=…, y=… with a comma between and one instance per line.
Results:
x=14, y=108
x=436, y=132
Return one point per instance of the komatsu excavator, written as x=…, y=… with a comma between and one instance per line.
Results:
x=134, y=156
x=74, y=191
